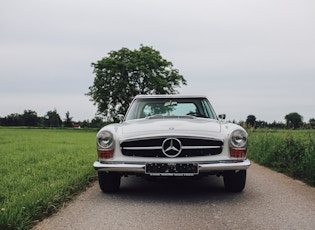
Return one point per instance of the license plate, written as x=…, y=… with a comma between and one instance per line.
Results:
x=170, y=169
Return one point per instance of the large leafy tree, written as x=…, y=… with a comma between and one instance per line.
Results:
x=294, y=120
x=126, y=73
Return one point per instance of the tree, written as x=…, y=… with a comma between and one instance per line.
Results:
x=30, y=118
x=97, y=122
x=13, y=119
x=68, y=121
x=52, y=119
x=126, y=73
x=312, y=123
x=250, y=121
x=294, y=120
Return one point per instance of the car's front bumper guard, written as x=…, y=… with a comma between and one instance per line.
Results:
x=203, y=166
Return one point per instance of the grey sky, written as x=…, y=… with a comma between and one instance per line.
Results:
x=248, y=57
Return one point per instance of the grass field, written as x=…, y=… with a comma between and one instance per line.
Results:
x=43, y=168
x=288, y=151
x=40, y=170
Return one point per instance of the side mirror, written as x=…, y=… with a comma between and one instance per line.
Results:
x=222, y=116
x=120, y=117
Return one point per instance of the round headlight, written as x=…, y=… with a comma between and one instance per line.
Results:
x=239, y=138
x=105, y=139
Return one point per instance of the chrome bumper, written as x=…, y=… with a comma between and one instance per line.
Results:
x=203, y=166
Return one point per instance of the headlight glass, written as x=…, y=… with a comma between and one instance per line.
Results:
x=105, y=139
x=239, y=138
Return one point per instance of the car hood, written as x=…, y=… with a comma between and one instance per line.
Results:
x=157, y=127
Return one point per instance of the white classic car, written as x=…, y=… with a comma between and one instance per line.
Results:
x=171, y=136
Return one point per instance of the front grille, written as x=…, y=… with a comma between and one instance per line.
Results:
x=190, y=147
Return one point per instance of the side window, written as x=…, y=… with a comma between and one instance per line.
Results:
x=208, y=109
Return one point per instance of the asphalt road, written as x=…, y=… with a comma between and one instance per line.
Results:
x=270, y=201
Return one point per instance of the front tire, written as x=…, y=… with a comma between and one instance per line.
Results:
x=234, y=181
x=109, y=182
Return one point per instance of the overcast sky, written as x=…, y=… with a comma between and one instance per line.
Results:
x=248, y=57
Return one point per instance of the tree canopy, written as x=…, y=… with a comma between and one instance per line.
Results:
x=250, y=121
x=294, y=120
x=68, y=121
x=126, y=73
x=52, y=119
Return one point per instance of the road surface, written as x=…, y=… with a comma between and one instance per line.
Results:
x=270, y=201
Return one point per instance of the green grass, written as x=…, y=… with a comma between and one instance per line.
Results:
x=40, y=170
x=288, y=151
x=43, y=168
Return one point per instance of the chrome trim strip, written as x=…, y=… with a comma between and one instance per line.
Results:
x=142, y=148
x=203, y=166
x=160, y=147
x=201, y=147
x=203, y=137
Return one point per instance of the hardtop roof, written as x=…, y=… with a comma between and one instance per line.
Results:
x=170, y=96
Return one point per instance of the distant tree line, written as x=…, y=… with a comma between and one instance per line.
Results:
x=293, y=121
x=51, y=119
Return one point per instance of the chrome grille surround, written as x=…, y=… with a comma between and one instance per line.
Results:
x=153, y=147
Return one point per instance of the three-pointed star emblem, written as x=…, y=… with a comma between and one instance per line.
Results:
x=171, y=147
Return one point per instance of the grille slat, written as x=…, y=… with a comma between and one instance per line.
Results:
x=191, y=147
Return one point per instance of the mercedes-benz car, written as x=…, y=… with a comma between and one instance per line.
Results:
x=171, y=136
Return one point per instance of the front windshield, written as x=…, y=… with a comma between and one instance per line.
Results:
x=149, y=107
